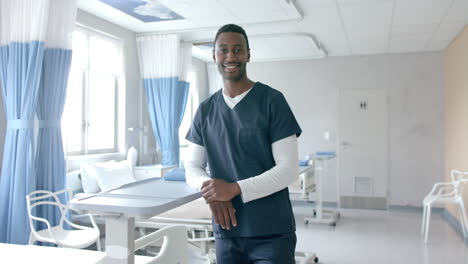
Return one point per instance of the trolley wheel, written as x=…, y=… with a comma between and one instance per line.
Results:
x=333, y=224
x=338, y=215
x=316, y=259
x=315, y=212
x=306, y=222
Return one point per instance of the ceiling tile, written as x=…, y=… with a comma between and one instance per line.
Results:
x=323, y=21
x=413, y=12
x=257, y=11
x=311, y=5
x=343, y=27
x=438, y=45
x=367, y=24
x=201, y=12
x=458, y=11
x=272, y=28
x=403, y=30
x=447, y=31
x=409, y=43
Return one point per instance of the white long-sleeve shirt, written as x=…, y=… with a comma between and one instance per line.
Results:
x=285, y=172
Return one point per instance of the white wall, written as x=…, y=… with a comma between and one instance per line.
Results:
x=414, y=85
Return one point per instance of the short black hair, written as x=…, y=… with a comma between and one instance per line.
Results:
x=232, y=28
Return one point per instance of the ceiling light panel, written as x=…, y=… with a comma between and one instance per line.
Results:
x=276, y=47
x=284, y=47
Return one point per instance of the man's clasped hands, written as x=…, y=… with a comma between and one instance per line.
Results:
x=218, y=194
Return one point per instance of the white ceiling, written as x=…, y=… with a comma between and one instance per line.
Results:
x=286, y=29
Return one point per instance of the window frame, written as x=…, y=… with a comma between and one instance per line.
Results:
x=85, y=77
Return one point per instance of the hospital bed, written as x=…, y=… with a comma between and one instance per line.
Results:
x=120, y=207
x=194, y=215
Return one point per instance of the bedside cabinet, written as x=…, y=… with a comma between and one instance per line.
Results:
x=151, y=171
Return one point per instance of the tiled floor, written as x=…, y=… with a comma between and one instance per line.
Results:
x=379, y=237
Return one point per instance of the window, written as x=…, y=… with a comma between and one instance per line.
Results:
x=90, y=118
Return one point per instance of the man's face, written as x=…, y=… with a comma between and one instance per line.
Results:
x=231, y=55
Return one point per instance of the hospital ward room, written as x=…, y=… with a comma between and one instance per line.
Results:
x=234, y=132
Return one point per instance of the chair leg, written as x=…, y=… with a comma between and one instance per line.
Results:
x=32, y=240
x=423, y=220
x=464, y=220
x=428, y=218
x=98, y=244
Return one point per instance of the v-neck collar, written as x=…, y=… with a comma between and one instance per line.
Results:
x=243, y=99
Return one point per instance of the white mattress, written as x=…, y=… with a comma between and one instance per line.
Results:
x=197, y=209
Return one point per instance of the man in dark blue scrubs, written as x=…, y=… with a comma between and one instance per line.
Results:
x=247, y=134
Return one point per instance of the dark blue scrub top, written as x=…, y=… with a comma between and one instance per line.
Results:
x=238, y=146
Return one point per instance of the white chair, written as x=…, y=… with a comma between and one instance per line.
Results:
x=174, y=248
x=446, y=193
x=81, y=237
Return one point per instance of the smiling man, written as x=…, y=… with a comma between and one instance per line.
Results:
x=247, y=134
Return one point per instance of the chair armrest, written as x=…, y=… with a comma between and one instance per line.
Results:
x=441, y=191
x=174, y=248
x=49, y=228
x=93, y=223
x=439, y=185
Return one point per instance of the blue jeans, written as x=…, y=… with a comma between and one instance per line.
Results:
x=272, y=249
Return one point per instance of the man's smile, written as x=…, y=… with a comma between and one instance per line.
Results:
x=231, y=67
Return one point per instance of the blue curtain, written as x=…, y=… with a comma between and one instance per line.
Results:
x=166, y=99
x=20, y=67
x=50, y=158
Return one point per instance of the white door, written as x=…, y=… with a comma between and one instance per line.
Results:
x=363, y=144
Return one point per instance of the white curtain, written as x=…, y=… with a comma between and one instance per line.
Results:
x=215, y=81
x=164, y=62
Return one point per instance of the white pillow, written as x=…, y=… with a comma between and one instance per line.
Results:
x=88, y=176
x=111, y=177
